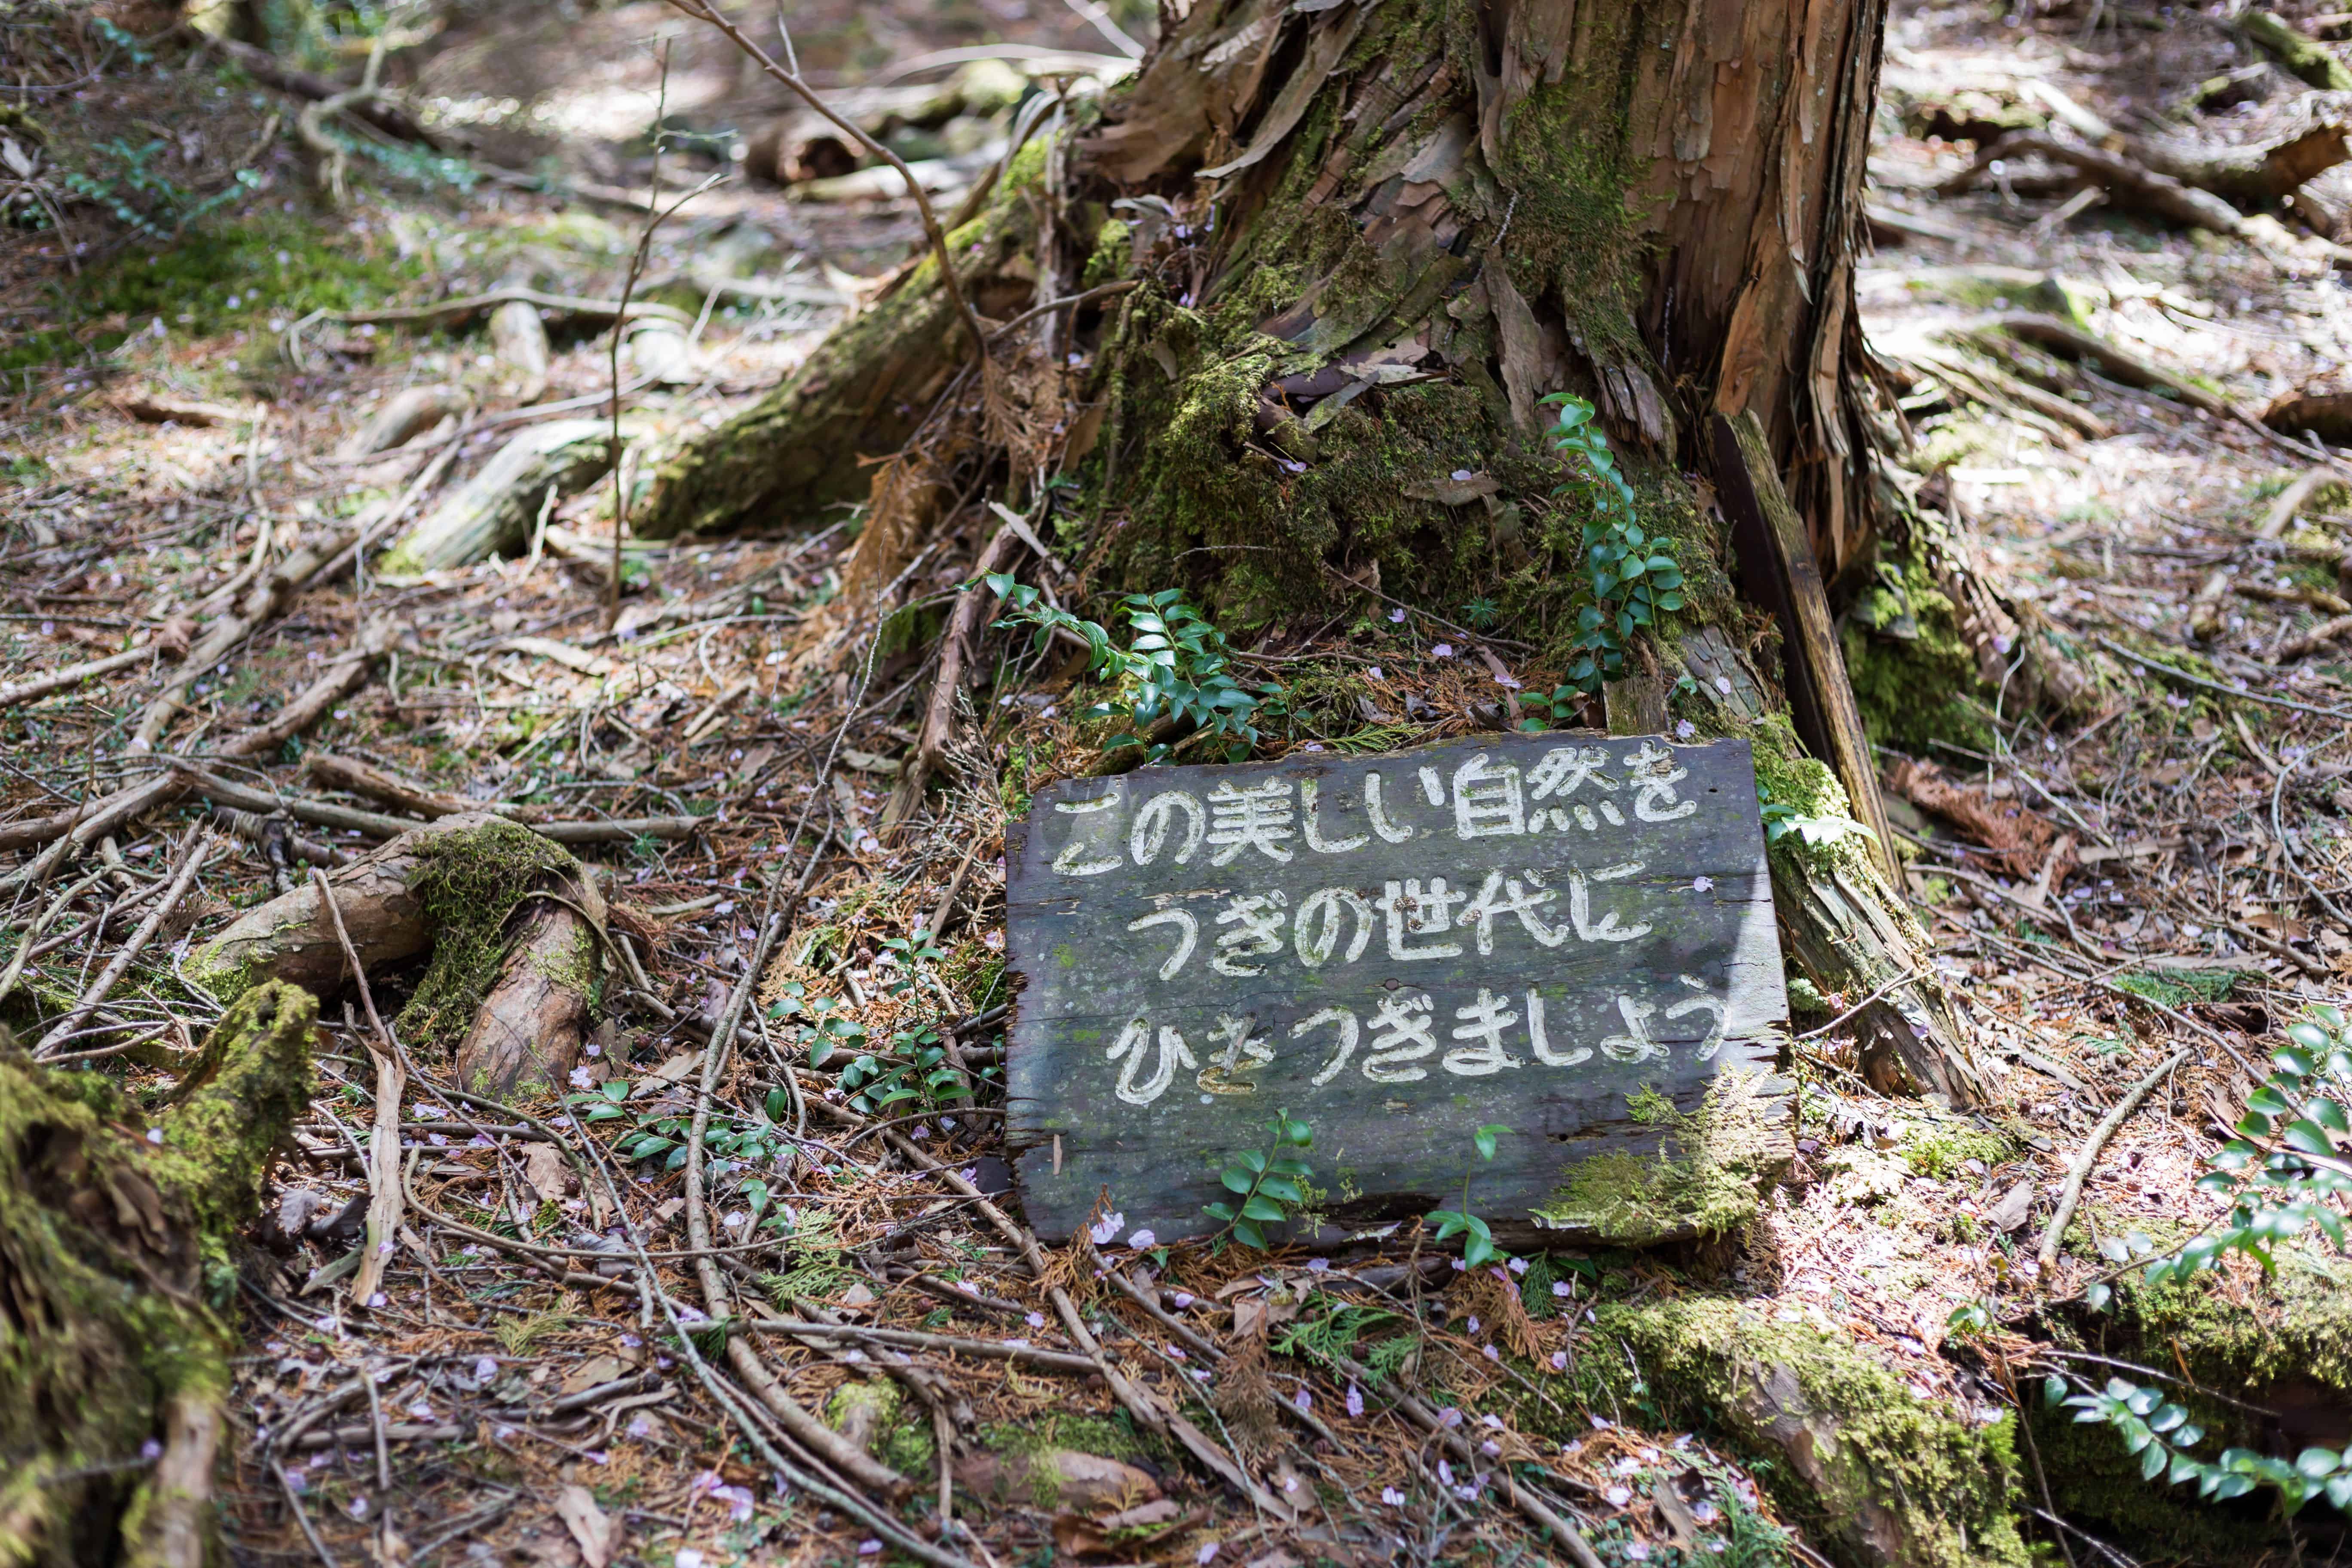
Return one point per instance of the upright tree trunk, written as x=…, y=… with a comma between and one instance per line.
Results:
x=1361, y=243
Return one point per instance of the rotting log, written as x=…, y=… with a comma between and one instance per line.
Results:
x=2297, y=51
x=512, y=923
x=493, y=510
x=115, y=1285
x=406, y=415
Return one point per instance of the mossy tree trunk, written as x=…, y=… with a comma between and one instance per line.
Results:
x=1361, y=244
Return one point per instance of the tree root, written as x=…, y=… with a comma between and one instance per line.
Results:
x=113, y=1264
x=513, y=922
x=1895, y=1480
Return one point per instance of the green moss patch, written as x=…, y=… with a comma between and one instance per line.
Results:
x=470, y=883
x=1705, y=1179
x=1914, y=677
x=113, y=1252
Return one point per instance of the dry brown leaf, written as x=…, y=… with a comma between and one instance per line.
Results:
x=545, y=1169
x=596, y=1530
x=2016, y=838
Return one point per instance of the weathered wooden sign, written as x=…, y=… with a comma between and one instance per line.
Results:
x=1525, y=930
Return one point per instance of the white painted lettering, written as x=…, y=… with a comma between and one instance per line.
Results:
x=1635, y=1044
x=1580, y=905
x=1400, y=1035
x=1396, y=833
x=1184, y=944
x=1150, y=834
x=1541, y=1039
x=1316, y=928
x=1501, y=896
x=1702, y=1003
x=1256, y=919
x=1654, y=778
x=1134, y=1043
x=1431, y=914
x=1241, y=1046
x=1307, y=817
x=1482, y=1024
x=1254, y=816
x=1486, y=800
x=1343, y=1048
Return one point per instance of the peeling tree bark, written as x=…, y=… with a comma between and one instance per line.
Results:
x=1456, y=214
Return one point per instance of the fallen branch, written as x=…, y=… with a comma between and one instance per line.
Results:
x=1139, y=1402
x=789, y=75
x=376, y=825
x=2319, y=636
x=2126, y=182
x=2080, y=1172
x=2302, y=54
x=363, y=778
x=977, y=601
x=2204, y=610
x=261, y=604
x=95, y=819
x=2257, y=175
x=266, y=68
x=2130, y=183
x=40, y=686
x=796, y=1419
x=1420, y=1416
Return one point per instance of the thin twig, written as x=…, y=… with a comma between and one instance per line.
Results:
x=385, y=1185
x=2080, y=1172
x=198, y=851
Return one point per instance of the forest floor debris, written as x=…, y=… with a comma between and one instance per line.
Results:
x=479, y=1336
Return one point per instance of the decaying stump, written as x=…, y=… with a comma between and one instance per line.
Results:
x=512, y=920
x=114, y=1273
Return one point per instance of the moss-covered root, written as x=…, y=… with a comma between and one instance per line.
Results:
x=807, y=445
x=528, y=1031
x=1893, y=1480
x=519, y=999
x=114, y=1255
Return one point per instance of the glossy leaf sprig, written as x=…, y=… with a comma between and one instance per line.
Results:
x=1176, y=668
x=2160, y=1434
x=1265, y=1181
x=1629, y=577
x=1479, y=1246
x=2304, y=1110
x=2287, y=1173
